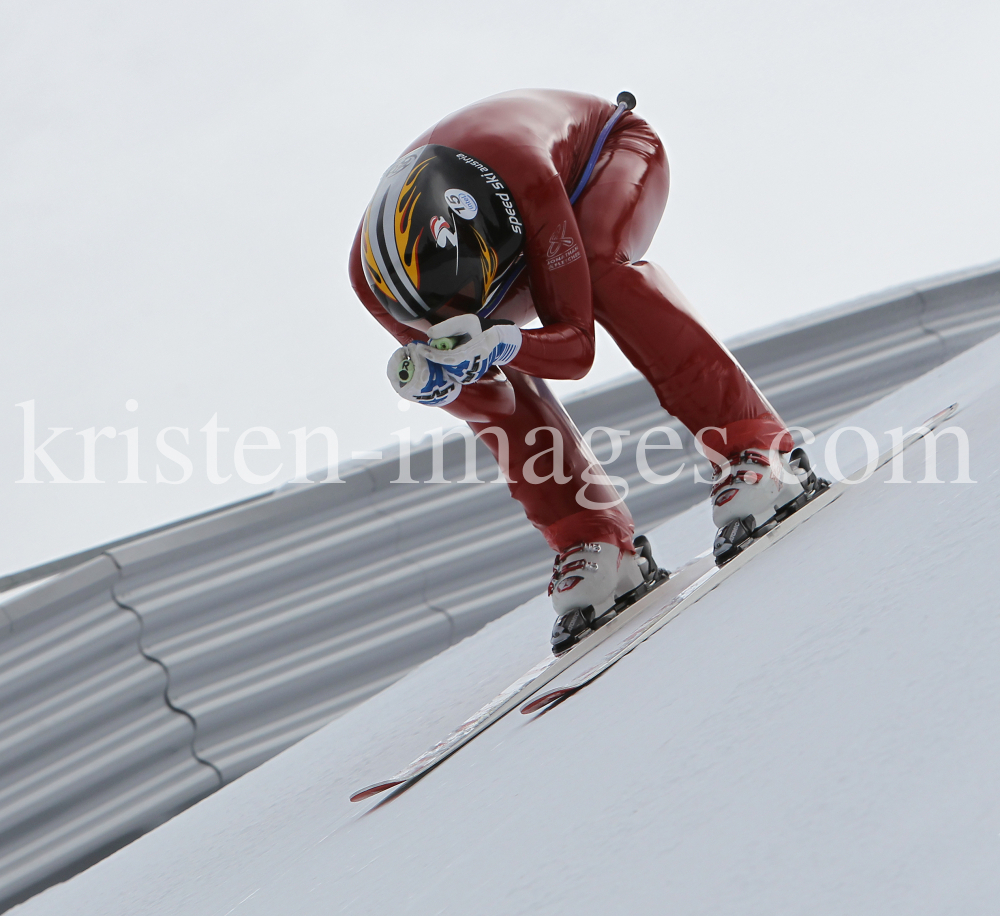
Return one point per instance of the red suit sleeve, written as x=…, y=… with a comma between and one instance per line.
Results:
x=563, y=347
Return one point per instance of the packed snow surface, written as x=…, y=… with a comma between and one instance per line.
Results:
x=819, y=734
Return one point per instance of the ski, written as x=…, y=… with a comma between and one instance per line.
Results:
x=533, y=680
x=712, y=577
x=657, y=607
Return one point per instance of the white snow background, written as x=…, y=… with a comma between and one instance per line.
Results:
x=180, y=183
x=816, y=735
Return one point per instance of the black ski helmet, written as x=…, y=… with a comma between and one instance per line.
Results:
x=441, y=230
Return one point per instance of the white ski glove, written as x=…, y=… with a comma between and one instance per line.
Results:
x=466, y=351
x=417, y=379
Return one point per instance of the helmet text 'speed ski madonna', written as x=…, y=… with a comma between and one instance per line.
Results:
x=442, y=230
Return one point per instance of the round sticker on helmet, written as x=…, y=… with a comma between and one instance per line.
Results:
x=461, y=203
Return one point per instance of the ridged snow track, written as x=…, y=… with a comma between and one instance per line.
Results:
x=145, y=675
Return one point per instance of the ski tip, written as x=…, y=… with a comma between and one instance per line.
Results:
x=943, y=415
x=369, y=791
x=546, y=699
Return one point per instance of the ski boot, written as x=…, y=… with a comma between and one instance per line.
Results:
x=759, y=485
x=593, y=583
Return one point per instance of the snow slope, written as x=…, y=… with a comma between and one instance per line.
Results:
x=819, y=734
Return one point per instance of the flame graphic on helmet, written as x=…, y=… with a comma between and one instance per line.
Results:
x=488, y=261
x=371, y=266
x=406, y=239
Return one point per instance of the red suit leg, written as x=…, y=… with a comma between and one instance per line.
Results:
x=694, y=376
x=558, y=504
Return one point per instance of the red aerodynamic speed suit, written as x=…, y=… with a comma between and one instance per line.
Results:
x=583, y=264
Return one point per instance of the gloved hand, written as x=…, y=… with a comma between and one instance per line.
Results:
x=417, y=379
x=466, y=351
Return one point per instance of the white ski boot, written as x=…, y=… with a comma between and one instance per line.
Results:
x=759, y=490
x=593, y=582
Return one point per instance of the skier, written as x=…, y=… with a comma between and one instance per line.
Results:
x=539, y=203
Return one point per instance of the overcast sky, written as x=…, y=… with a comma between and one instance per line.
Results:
x=180, y=183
